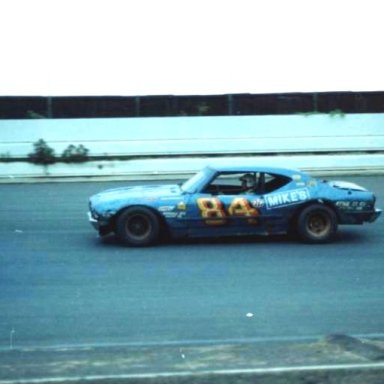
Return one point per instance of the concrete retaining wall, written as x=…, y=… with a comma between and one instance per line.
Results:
x=198, y=135
x=321, y=144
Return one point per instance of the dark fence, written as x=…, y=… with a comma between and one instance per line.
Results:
x=20, y=107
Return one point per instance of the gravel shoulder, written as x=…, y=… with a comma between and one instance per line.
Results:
x=338, y=357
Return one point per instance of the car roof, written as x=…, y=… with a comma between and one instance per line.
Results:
x=256, y=168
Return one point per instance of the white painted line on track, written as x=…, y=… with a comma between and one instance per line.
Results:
x=272, y=370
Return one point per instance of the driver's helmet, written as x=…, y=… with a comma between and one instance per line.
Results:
x=247, y=181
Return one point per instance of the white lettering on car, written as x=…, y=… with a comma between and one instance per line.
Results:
x=166, y=208
x=282, y=199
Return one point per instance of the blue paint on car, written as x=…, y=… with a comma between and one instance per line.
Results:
x=233, y=200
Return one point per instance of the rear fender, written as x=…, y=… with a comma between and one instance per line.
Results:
x=298, y=210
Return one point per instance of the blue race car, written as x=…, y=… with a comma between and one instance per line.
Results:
x=233, y=200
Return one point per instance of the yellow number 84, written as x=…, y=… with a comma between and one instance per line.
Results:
x=212, y=209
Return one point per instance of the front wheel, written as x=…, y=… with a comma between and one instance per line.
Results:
x=317, y=224
x=137, y=226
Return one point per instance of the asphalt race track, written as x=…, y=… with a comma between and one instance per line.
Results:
x=62, y=285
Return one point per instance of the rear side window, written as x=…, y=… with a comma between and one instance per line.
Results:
x=273, y=182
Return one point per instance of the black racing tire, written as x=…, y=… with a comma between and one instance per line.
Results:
x=138, y=226
x=317, y=224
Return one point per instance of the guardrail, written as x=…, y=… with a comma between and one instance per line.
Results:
x=186, y=136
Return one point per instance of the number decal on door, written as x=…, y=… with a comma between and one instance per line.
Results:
x=242, y=207
x=212, y=209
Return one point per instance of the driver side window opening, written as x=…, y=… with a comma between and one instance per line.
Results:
x=239, y=183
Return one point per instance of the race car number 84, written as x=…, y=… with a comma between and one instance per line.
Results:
x=212, y=209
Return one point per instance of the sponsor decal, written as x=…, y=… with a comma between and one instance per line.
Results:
x=166, y=208
x=174, y=215
x=296, y=177
x=173, y=211
x=353, y=205
x=166, y=198
x=282, y=199
x=181, y=206
x=258, y=203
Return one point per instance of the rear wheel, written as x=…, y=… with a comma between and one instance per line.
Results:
x=317, y=224
x=137, y=226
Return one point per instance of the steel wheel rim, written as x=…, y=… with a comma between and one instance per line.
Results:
x=318, y=224
x=138, y=226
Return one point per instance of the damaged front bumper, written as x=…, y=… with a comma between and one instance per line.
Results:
x=103, y=227
x=375, y=215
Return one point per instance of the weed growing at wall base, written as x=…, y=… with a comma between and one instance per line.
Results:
x=75, y=154
x=43, y=154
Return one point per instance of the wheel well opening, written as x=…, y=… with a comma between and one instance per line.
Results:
x=326, y=203
x=162, y=222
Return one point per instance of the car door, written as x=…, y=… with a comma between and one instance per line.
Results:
x=229, y=205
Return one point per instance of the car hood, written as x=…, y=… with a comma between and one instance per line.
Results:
x=135, y=193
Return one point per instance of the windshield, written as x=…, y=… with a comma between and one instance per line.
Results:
x=194, y=183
